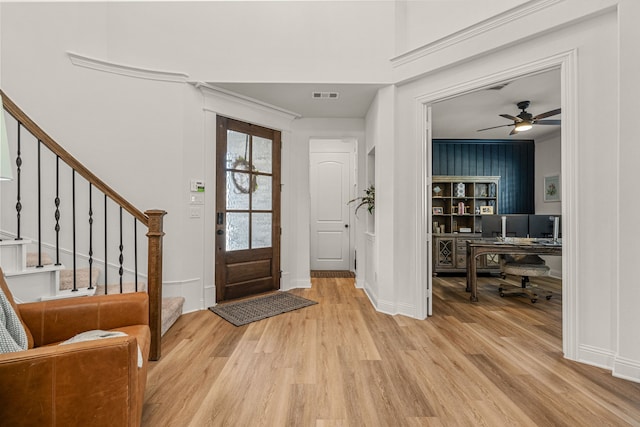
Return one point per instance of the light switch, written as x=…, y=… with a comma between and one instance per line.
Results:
x=197, y=199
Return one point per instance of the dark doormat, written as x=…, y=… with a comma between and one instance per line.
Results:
x=330, y=274
x=247, y=311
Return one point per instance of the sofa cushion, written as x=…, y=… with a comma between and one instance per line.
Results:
x=7, y=293
x=12, y=333
x=99, y=334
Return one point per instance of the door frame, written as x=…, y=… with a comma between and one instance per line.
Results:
x=339, y=145
x=223, y=125
x=567, y=63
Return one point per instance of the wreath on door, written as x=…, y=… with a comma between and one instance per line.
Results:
x=240, y=181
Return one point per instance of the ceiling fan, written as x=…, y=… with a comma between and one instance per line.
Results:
x=525, y=121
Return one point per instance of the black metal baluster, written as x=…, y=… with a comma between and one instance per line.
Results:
x=135, y=249
x=106, y=264
x=39, y=209
x=57, y=213
x=121, y=258
x=90, y=239
x=73, y=216
x=18, y=168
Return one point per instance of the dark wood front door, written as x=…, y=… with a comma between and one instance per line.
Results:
x=247, y=209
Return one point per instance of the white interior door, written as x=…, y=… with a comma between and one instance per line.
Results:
x=330, y=184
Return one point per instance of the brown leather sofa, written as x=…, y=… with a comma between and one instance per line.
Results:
x=89, y=383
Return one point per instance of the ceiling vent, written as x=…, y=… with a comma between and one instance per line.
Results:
x=324, y=95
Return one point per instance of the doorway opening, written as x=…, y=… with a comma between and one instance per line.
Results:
x=332, y=181
x=566, y=63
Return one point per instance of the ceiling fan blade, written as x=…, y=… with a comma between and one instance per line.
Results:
x=510, y=117
x=547, y=114
x=547, y=122
x=513, y=131
x=494, y=127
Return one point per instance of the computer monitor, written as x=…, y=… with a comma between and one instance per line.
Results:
x=517, y=225
x=491, y=225
x=541, y=226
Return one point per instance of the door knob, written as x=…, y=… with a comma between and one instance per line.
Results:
x=346, y=226
x=220, y=232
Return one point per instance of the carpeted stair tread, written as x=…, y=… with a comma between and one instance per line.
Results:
x=82, y=278
x=127, y=287
x=171, y=311
x=32, y=259
x=171, y=306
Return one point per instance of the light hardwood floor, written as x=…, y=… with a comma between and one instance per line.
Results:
x=340, y=363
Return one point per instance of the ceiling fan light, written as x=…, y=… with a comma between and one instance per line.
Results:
x=523, y=126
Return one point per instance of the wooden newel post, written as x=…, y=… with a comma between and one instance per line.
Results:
x=154, y=277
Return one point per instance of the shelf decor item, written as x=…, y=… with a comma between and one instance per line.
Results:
x=460, y=190
x=486, y=210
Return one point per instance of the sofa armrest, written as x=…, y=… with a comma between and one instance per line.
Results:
x=87, y=383
x=58, y=320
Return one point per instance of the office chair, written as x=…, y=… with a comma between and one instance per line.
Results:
x=524, y=266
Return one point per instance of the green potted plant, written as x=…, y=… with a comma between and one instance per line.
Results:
x=368, y=200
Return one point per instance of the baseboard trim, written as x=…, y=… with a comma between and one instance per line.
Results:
x=595, y=356
x=297, y=284
x=626, y=369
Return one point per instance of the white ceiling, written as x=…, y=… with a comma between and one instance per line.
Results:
x=462, y=116
x=458, y=117
x=353, y=99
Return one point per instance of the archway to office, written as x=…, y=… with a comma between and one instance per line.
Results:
x=567, y=65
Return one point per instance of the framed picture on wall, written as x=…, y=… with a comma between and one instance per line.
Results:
x=552, y=188
x=438, y=210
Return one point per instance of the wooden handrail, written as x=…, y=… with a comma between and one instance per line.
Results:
x=152, y=219
x=41, y=135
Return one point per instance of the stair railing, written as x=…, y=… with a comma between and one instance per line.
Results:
x=151, y=219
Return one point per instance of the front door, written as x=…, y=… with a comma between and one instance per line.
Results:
x=247, y=209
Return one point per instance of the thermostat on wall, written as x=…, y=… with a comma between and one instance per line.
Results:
x=197, y=186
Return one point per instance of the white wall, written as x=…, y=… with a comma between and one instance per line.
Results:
x=324, y=41
x=627, y=361
x=422, y=22
x=548, y=162
x=380, y=135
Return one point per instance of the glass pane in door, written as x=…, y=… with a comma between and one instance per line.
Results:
x=237, y=150
x=237, y=231
x=237, y=194
x=262, y=154
x=260, y=230
x=261, y=198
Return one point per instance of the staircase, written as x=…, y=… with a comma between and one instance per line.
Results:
x=71, y=234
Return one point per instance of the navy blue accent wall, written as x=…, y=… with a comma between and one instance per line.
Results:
x=512, y=160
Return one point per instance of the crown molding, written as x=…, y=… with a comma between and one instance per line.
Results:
x=126, y=70
x=245, y=100
x=473, y=31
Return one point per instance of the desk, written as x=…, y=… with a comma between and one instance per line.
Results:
x=476, y=248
